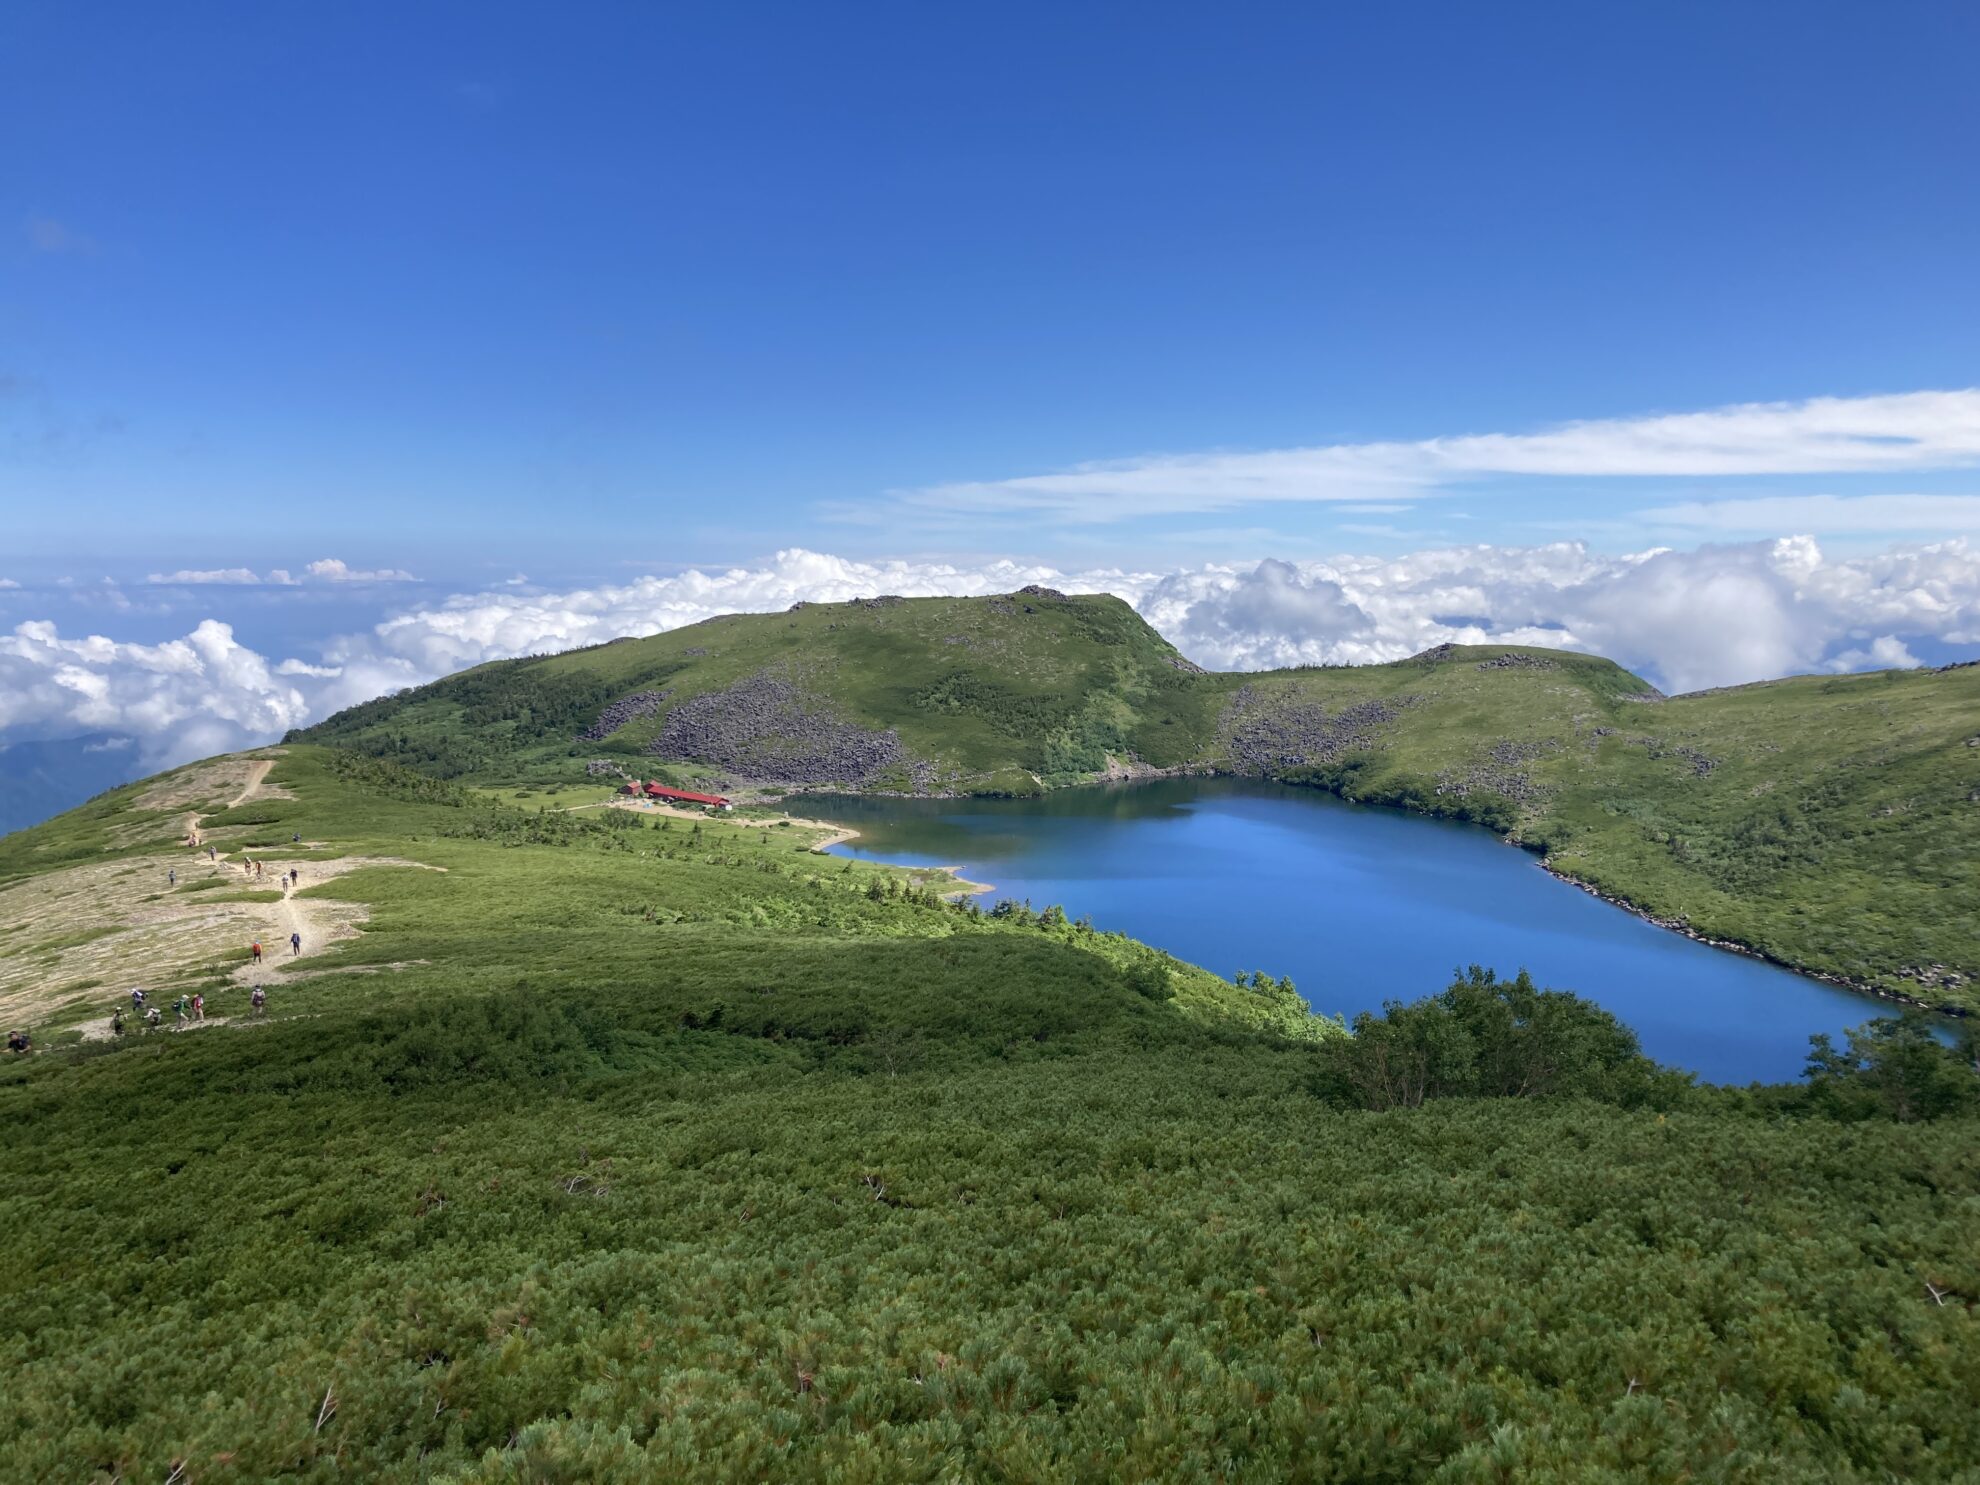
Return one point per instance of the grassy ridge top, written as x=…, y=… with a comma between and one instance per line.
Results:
x=1830, y=822
x=982, y=693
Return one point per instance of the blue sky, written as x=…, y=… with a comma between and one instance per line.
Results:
x=413, y=280
x=478, y=291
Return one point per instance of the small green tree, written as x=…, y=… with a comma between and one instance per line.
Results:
x=1894, y=1067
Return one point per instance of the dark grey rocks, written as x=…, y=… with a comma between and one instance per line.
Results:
x=766, y=727
x=625, y=709
x=1501, y=771
x=1518, y=662
x=1265, y=733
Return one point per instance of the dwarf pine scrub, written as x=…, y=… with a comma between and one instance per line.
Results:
x=612, y=1152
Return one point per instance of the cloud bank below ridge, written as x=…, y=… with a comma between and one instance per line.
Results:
x=1715, y=615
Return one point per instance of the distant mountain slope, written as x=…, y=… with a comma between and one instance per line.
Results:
x=39, y=779
x=1011, y=693
x=927, y=693
x=1832, y=823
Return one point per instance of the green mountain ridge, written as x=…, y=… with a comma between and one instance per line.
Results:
x=1831, y=823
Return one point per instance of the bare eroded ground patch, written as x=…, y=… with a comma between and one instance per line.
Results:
x=74, y=939
x=216, y=783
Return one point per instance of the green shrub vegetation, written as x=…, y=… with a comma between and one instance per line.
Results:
x=676, y=1153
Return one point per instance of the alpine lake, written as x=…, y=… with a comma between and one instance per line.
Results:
x=1359, y=905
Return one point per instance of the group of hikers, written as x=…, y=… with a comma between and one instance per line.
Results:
x=253, y=868
x=190, y=1007
x=295, y=947
x=289, y=879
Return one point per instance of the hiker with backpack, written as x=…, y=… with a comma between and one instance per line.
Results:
x=254, y=951
x=258, y=1000
x=295, y=943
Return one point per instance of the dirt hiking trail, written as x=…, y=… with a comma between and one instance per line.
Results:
x=76, y=939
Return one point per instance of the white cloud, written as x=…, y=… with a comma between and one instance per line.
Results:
x=328, y=570
x=1716, y=615
x=8, y=583
x=1903, y=431
x=221, y=575
x=488, y=626
x=331, y=570
x=181, y=699
x=1685, y=619
x=1885, y=653
x=1837, y=514
x=1711, y=616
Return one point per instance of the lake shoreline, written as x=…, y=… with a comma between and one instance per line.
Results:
x=1133, y=773
x=1734, y=946
x=1360, y=907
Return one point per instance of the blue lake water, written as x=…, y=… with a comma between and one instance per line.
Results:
x=1358, y=905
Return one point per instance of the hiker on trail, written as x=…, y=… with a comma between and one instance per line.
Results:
x=17, y=1041
x=151, y=1018
x=137, y=1000
x=257, y=871
x=295, y=875
x=117, y=1022
x=179, y=1010
x=199, y=1007
x=295, y=943
x=296, y=839
x=254, y=951
x=212, y=853
x=172, y=877
x=258, y=999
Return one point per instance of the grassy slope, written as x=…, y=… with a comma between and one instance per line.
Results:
x=677, y=1154
x=1830, y=823
x=990, y=691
